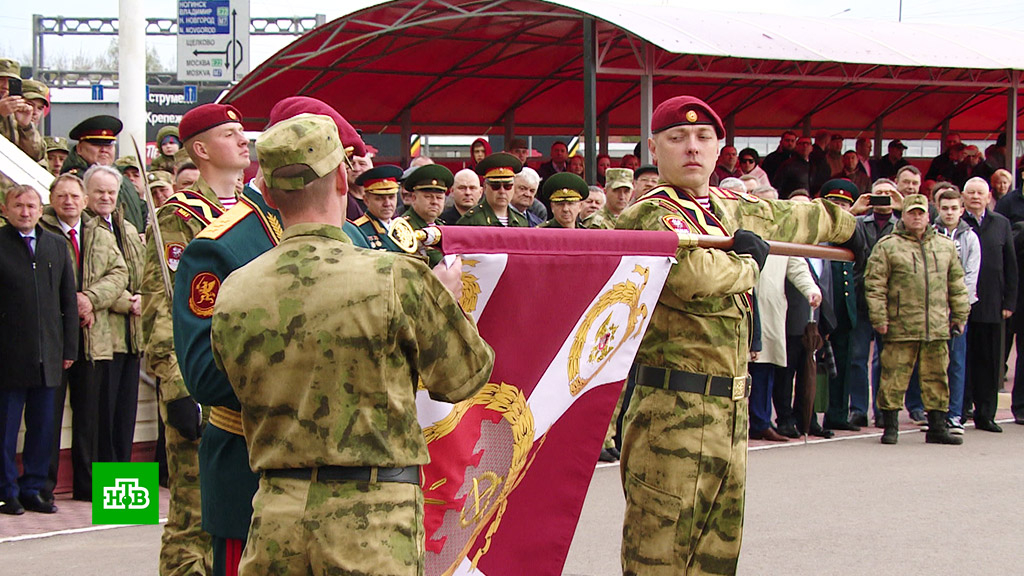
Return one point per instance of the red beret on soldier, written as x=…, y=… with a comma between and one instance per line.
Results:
x=684, y=111
x=206, y=116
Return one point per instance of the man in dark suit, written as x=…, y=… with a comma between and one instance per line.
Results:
x=38, y=303
x=997, y=298
x=559, y=161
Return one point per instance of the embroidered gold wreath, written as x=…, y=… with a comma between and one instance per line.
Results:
x=470, y=287
x=488, y=496
x=602, y=347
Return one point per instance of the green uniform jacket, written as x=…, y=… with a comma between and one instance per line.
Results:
x=133, y=207
x=28, y=139
x=483, y=215
x=552, y=223
x=178, y=226
x=915, y=287
x=375, y=233
x=125, y=327
x=600, y=220
x=702, y=321
x=327, y=355
x=434, y=256
x=103, y=278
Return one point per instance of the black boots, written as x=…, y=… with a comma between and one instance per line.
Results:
x=891, y=424
x=938, y=432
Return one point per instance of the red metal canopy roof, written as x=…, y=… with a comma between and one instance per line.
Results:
x=465, y=66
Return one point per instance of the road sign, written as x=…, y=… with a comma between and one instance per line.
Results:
x=191, y=92
x=97, y=92
x=213, y=40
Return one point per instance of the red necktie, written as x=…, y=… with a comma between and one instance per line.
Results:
x=74, y=244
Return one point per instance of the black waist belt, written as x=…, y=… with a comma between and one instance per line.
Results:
x=736, y=388
x=408, y=475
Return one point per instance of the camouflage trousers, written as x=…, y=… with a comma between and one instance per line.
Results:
x=684, y=469
x=185, y=549
x=303, y=527
x=898, y=360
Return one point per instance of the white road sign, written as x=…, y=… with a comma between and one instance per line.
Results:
x=213, y=40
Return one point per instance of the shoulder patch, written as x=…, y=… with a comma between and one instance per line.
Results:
x=675, y=223
x=202, y=294
x=172, y=254
x=361, y=220
x=723, y=193
x=225, y=222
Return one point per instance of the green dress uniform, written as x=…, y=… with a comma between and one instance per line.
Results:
x=181, y=219
x=381, y=181
x=497, y=168
x=483, y=215
x=684, y=453
x=230, y=242
x=434, y=255
x=375, y=233
x=428, y=179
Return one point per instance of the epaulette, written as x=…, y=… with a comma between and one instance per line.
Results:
x=361, y=220
x=218, y=227
x=189, y=204
x=730, y=195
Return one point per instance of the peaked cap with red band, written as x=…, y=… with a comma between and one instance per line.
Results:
x=381, y=179
x=499, y=166
x=206, y=116
x=100, y=128
x=295, y=105
x=685, y=111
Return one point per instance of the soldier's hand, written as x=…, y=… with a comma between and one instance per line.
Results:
x=186, y=417
x=68, y=363
x=10, y=104
x=451, y=276
x=1007, y=314
x=84, y=305
x=955, y=329
x=136, y=307
x=746, y=242
x=861, y=206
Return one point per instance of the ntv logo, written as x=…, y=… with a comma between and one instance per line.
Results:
x=125, y=494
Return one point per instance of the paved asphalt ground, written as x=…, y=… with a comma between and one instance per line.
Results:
x=842, y=507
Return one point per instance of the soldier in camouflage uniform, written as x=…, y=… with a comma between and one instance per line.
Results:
x=16, y=114
x=684, y=449
x=618, y=191
x=213, y=136
x=324, y=357
x=915, y=291
x=56, y=153
x=495, y=208
x=429, y=185
x=240, y=235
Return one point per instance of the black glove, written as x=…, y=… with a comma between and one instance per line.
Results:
x=746, y=242
x=858, y=244
x=186, y=417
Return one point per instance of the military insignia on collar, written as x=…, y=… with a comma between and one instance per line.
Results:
x=172, y=254
x=202, y=294
x=676, y=224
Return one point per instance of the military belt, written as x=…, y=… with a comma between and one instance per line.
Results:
x=226, y=419
x=736, y=388
x=371, y=474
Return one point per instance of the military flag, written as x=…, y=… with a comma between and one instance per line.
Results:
x=565, y=311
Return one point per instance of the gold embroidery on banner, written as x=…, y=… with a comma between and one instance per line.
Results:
x=602, y=348
x=470, y=287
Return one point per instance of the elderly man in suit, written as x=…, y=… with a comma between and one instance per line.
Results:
x=37, y=302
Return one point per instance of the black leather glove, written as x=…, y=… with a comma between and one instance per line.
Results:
x=186, y=417
x=746, y=242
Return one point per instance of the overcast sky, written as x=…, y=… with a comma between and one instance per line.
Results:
x=16, y=18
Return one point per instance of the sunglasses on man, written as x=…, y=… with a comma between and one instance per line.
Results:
x=746, y=160
x=499, y=184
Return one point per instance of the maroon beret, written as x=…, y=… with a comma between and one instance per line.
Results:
x=295, y=105
x=682, y=111
x=206, y=116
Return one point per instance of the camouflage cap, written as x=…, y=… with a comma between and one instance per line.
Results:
x=169, y=131
x=35, y=90
x=156, y=178
x=9, y=68
x=299, y=150
x=618, y=178
x=915, y=202
x=56, y=143
x=125, y=162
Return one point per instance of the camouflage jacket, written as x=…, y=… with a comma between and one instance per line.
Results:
x=327, y=356
x=29, y=139
x=483, y=215
x=133, y=207
x=702, y=321
x=180, y=220
x=600, y=220
x=162, y=162
x=104, y=276
x=125, y=327
x=915, y=287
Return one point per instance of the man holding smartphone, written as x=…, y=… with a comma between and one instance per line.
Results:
x=16, y=112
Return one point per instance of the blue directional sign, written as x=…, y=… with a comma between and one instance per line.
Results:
x=191, y=92
x=97, y=92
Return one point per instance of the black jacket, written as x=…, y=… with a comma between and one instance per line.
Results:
x=997, y=280
x=1012, y=206
x=38, y=310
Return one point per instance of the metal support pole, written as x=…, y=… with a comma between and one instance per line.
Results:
x=602, y=130
x=879, y=123
x=646, y=104
x=406, y=137
x=590, y=99
x=321, y=19
x=510, y=127
x=730, y=130
x=131, y=68
x=943, y=134
x=807, y=127
x=1011, y=125
x=37, y=44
